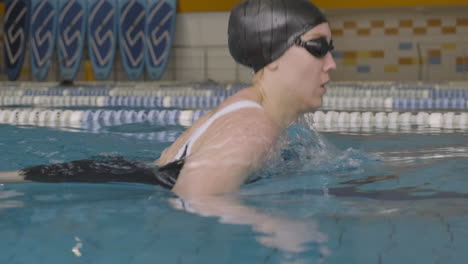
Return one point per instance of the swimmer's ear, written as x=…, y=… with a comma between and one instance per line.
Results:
x=274, y=66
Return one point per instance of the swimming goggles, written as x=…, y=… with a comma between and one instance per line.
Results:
x=317, y=47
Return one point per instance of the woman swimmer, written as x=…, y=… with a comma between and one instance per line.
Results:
x=287, y=44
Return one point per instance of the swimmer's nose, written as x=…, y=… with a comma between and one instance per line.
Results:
x=330, y=63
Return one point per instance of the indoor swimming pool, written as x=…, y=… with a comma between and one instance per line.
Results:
x=380, y=182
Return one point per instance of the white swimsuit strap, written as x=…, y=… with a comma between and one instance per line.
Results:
x=226, y=110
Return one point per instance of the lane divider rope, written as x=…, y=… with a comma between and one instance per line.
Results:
x=347, y=103
x=192, y=102
x=86, y=118
x=195, y=102
x=392, y=119
x=89, y=118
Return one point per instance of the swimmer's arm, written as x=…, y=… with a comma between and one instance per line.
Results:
x=12, y=177
x=222, y=163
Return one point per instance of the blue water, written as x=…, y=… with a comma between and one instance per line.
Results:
x=325, y=194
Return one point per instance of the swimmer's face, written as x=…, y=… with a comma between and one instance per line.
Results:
x=305, y=74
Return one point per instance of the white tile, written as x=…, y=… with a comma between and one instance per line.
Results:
x=190, y=75
x=168, y=75
x=462, y=31
x=188, y=30
x=189, y=59
x=406, y=32
x=392, y=23
x=336, y=24
x=363, y=23
x=350, y=32
x=214, y=29
x=221, y=75
x=449, y=21
x=220, y=59
x=378, y=32
x=434, y=31
x=420, y=21
x=222, y=51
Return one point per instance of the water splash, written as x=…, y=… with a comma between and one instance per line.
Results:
x=302, y=149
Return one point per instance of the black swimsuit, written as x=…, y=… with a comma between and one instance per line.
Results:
x=106, y=171
x=103, y=171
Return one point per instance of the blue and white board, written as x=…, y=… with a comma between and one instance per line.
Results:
x=16, y=25
x=102, y=36
x=132, y=22
x=71, y=36
x=43, y=36
x=160, y=24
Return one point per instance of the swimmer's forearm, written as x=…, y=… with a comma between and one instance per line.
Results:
x=12, y=177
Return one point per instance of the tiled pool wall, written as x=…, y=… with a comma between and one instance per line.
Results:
x=396, y=44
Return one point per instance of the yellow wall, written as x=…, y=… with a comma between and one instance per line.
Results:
x=226, y=5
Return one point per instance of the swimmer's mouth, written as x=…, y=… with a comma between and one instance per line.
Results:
x=324, y=84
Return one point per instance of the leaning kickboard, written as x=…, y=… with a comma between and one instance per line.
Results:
x=16, y=27
x=43, y=35
x=160, y=24
x=132, y=20
x=71, y=36
x=102, y=32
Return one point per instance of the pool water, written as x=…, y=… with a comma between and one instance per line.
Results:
x=390, y=196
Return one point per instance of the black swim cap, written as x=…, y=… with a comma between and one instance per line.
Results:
x=260, y=31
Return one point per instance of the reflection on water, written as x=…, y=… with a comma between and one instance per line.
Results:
x=7, y=198
x=128, y=223
x=431, y=154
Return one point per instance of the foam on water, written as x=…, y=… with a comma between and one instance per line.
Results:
x=302, y=149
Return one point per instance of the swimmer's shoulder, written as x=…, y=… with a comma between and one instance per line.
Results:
x=237, y=125
x=244, y=126
x=247, y=118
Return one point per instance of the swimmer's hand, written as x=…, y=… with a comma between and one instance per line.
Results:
x=12, y=177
